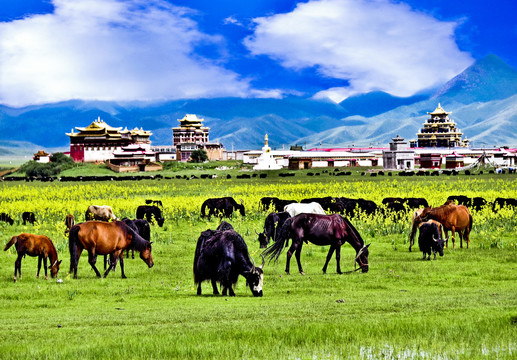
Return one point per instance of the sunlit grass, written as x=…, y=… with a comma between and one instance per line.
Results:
x=460, y=306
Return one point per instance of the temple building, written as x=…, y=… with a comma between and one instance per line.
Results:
x=42, y=157
x=439, y=131
x=191, y=130
x=98, y=141
x=190, y=136
x=133, y=158
x=398, y=156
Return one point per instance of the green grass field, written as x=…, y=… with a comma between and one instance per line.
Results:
x=461, y=306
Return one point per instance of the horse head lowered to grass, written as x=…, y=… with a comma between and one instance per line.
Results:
x=34, y=245
x=103, y=238
x=333, y=230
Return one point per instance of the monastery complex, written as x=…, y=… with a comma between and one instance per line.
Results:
x=439, y=144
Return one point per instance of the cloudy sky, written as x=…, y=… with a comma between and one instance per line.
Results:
x=147, y=50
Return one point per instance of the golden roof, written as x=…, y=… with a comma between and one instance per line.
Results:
x=439, y=111
x=140, y=132
x=191, y=118
x=99, y=128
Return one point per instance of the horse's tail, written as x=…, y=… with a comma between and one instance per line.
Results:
x=203, y=207
x=73, y=240
x=274, y=251
x=470, y=223
x=11, y=243
x=414, y=226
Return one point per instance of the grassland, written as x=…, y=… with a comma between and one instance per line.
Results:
x=461, y=306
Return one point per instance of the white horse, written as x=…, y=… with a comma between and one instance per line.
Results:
x=299, y=208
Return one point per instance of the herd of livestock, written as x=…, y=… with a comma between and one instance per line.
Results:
x=222, y=255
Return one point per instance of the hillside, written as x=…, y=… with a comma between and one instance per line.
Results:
x=482, y=101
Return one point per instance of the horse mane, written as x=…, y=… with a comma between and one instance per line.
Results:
x=354, y=233
x=137, y=242
x=443, y=210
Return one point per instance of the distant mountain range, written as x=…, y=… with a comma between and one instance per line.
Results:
x=482, y=99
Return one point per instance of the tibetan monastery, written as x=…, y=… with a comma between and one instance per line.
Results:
x=98, y=141
x=190, y=136
x=440, y=131
x=191, y=130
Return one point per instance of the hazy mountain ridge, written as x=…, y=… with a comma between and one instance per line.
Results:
x=482, y=99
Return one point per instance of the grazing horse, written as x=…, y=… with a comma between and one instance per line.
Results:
x=321, y=230
x=106, y=238
x=455, y=218
x=34, y=245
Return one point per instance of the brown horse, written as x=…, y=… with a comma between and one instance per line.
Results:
x=455, y=218
x=34, y=245
x=103, y=238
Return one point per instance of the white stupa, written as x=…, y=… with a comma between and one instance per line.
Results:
x=266, y=160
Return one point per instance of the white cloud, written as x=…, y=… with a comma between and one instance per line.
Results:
x=110, y=50
x=231, y=20
x=371, y=44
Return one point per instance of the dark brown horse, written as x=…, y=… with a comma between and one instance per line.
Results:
x=103, y=238
x=333, y=230
x=34, y=245
x=454, y=218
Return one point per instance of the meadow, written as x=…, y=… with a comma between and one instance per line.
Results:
x=460, y=306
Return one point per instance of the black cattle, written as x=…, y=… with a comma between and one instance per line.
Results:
x=328, y=203
x=500, y=203
x=478, y=203
x=266, y=202
x=429, y=240
x=460, y=200
x=415, y=203
x=395, y=210
x=221, y=256
x=392, y=200
x=154, y=202
x=148, y=212
x=351, y=206
x=28, y=217
x=6, y=218
x=273, y=222
x=273, y=203
x=223, y=207
x=280, y=204
x=223, y=226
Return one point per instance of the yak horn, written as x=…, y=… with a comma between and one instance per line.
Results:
x=256, y=232
x=263, y=261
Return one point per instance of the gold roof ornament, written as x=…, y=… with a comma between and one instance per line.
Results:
x=439, y=111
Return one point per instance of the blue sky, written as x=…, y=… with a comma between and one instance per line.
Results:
x=55, y=50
